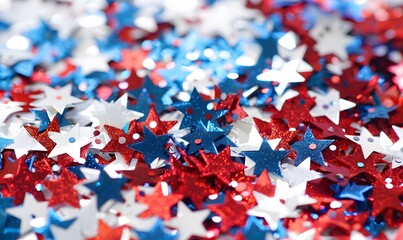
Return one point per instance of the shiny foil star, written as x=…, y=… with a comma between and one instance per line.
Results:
x=267, y=158
x=311, y=148
x=63, y=191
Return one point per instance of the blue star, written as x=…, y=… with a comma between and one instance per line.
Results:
x=269, y=45
x=196, y=110
x=201, y=138
x=143, y=102
x=158, y=231
x=310, y=147
x=152, y=146
x=224, y=140
x=107, y=188
x=161, y=96
x=354, y=191
x=267, y=158
x=255, y=230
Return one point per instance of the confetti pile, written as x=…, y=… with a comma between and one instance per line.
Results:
x=201, y=119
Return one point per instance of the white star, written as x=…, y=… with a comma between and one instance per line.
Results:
x=72, y=232
x=226, y=18
x=33, y=214
x=329, y=105
x=24, y=142
x=92, y=63
x=330, y=33
x=188, y=223
x=69, y=143
x=56, y=98
x=114, y=114
x=86, y=217
x=282, y=72
x=280, y=100
x=367, y=142
x=296, y=175
x=269, y=208
x=130, y=209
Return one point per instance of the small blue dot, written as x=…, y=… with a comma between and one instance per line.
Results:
x=72, y=140
x=360, y=164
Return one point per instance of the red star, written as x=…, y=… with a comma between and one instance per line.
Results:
x=43, y=137
x=154, y=123
x=188, y=182
x=231, y=102
x=131, y=60
x=120, y=140
x=106, y=232
x=275, y=129
x=159, y=204
x=335, y=218
x=231, y=212
x=329, y=128
x=384, y=198
x=143, y=174
x=221, y=165
x=296, y=110
x=262, y=185
x=358, y=164
x=8, y=167
x=63, y=189
x=25, y=181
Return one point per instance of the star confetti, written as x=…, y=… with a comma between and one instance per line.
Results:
x=201, y=119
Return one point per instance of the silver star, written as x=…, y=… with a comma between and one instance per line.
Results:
x=331, y=36
x=282, y=72
x=296, y=175
x=24, y=142
x=329, y=105
x=367, y=142
x=31, y=213
x=188, y=223
x=112, y=113
x=69, y=143
x=58, y=99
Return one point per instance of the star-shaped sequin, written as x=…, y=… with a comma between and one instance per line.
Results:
x=63, y=189
x=311, y=148
x=202, y=138
x=152, y=146
x=329, y=105
x=222, y=166
x=196, y=109
x=231, y=212
x=189, y=223
x=106, y=188
x=58, y=99
x=267, y=158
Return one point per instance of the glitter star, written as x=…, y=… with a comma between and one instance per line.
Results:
x=267, y=158
x=311, y=148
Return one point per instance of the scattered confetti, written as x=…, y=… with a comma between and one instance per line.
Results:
x=201, y=119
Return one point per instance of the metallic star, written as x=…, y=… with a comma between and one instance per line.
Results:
x=329, y=105
x=32, y=213
x=58, y=99
x=283, y=73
